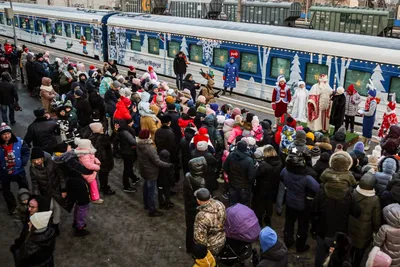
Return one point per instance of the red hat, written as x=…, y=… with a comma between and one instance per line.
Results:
x=392, y=105
x=203, y=131
x=132, y=68
x=351, y=90
x=144, y=134
x=26, y=49
x=92, y=67
x=291, y=122
x=150, y=68
x=127, y=102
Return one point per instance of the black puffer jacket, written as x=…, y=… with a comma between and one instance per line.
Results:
x=191, y=85
x=149, y=161
x=37, y=250
x=48, y=180
x=268, y=176
x=30, y=72
x=83, y=111
x=321, y=165
x=127, y=139
x=42, y=133
x=179, y=65
x=174, y=125
x=111, y=99
x=240, y=169
x=184, y=146
x=210, y=175
x=97, y=102
x=164, y=138
x=104, y=152
x=276, y=256
x=193, y=181
x=8, y=93
x=392, y=193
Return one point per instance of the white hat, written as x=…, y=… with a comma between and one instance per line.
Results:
x=40, y=220
x=250, y=141
x=340, y=91
x=83, y=143
x=301, y=83
x=202, y=146
x=323, y=78
x=281, y=78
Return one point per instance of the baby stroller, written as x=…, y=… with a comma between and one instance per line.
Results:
x=241, y=228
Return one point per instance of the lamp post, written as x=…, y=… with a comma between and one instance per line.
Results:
x=13, y=22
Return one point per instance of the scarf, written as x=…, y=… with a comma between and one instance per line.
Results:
x=368, y=102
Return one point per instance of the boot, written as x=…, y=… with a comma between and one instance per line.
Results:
x=230, y=93
x=156, y=213
x=366, y=144
x=81, y=232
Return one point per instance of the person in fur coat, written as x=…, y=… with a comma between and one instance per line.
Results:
x=85, y=152
x=47, y=93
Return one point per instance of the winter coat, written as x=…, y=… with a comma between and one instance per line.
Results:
x=297, y=187
x=231, y=72
x=149, y=123
x=193, y=181
x=240, y=169
x=47, y=94
x=209, y=226
x=8, y=93
x=37, y=250
x=174, y=125
x=40, y=72
x=325, y=147
x=148, y=160
x=276, y=256
x=5, y=66
x=127, y=139
x=179, y=65
x=321, y=165
x=210, y=122
x=387, y=167
x=191, y=85
x=337, y=110
x=331, y=215
x=302, y=152
x=208, y=261
x=336, y=183
x=105, y=83
x=110, y=100
x=210, y=174
x=339, y=138
x=388, y=237
x=21, y=152
x=42, y=133
x=268, y=177
x=392, y=192
x=122, y=112
x=48, y=180
x=165, y=139
x=90, y=162
x=97, y=102
x=30, y=72
x=236, y=131
x=165, y=176
x=208, y=93
x=83, y=111
x=362, y=228
x=352, y=101
x=104, y=152
x=184, y=146
x=77, y=188
x=65, y=84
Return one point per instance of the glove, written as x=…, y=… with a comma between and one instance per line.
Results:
x=223, y=78
x=216, y=95
x=237, y=78
x=273, y=106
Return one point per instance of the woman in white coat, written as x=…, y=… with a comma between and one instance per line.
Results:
x=299, y=102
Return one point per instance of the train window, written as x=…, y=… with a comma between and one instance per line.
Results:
x=31, y=25
x=248, y=63
x=58, y=28
x=313, y=71
x=78, y=32
x=16, y=21
x=173, y=49
x=88, y=34
x=48, y=27
x=67, y=28
x=1, y=18
x=280, y=66
x=395, y=87
x=135, y=43
x=360, y=80
x=22, y=22
x=154, y=46
x=196, y=53
x=9, y=22
x=39, y=26
x=221, y=57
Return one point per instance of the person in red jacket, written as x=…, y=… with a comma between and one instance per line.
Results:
x=281, y=97
x=122, y=109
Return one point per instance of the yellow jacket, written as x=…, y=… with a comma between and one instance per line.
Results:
x=208, y=261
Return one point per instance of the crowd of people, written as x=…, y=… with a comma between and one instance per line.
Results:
x=347, y=201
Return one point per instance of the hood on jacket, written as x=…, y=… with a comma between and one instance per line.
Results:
x=238, y=155
x=145, y=97
x=389, y=165
x=268, y=238
x=341, y=161
x=378, y=258
x=340, y=136
x=198, y=166
x=276, y=252
x=323, y=145
x=23, y=194
x=212, y=206
x=391, y=214
x=189, y=133
x=164, y=155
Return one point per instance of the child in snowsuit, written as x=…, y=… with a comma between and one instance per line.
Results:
x=85, y=152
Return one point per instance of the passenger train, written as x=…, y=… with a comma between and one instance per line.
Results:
x=262, y=52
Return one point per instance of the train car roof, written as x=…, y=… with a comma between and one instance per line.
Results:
x=57, y=12
x=377, y=49
x=346, y=9
x=260, y=3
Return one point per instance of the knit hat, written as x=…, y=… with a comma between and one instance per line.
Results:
x=46, y=81
x=315, y=151
x=83, y=143
x=202, y=146
x=310, y=135
x=116, y=84
x=199, y=251
x=258, y=155
x=291, y=123
x=235, y=112
x=37, y=153
x=202, y=99
x=190, y=103
x=250, y=141
x=92, y=67
x=341, y=161
x=340, y=91
x=202, y=194
x=372, y=92
x=201, y=109
x=150, y=68
x=4, y=128
x=23, y=194
x=191, y=112
x=61, y=147
x=39, y=112
x=68, y=104
x=209, y=111
x=78, y=92
x=367, y=181
x=241, y=146
x=214, y=106
x=165, y=119
x=301, y=135
x=170, y=100
x=359, y=146
x=144, y=134
x=40, y=220
x=378, y=258
x=268, y=238
x=96, y=127
x=132, y=68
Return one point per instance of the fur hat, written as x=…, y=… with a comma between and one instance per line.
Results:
x=340, y=91
x=170, y=100
x=201, y=109
x=46, y=81
x=202, y=146
x=378, y=258
x=202, y=99
x=144, y=134
x=40, y=220
x=96, y=127
x=340, y=161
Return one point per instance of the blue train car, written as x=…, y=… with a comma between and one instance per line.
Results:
x=76, y=30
